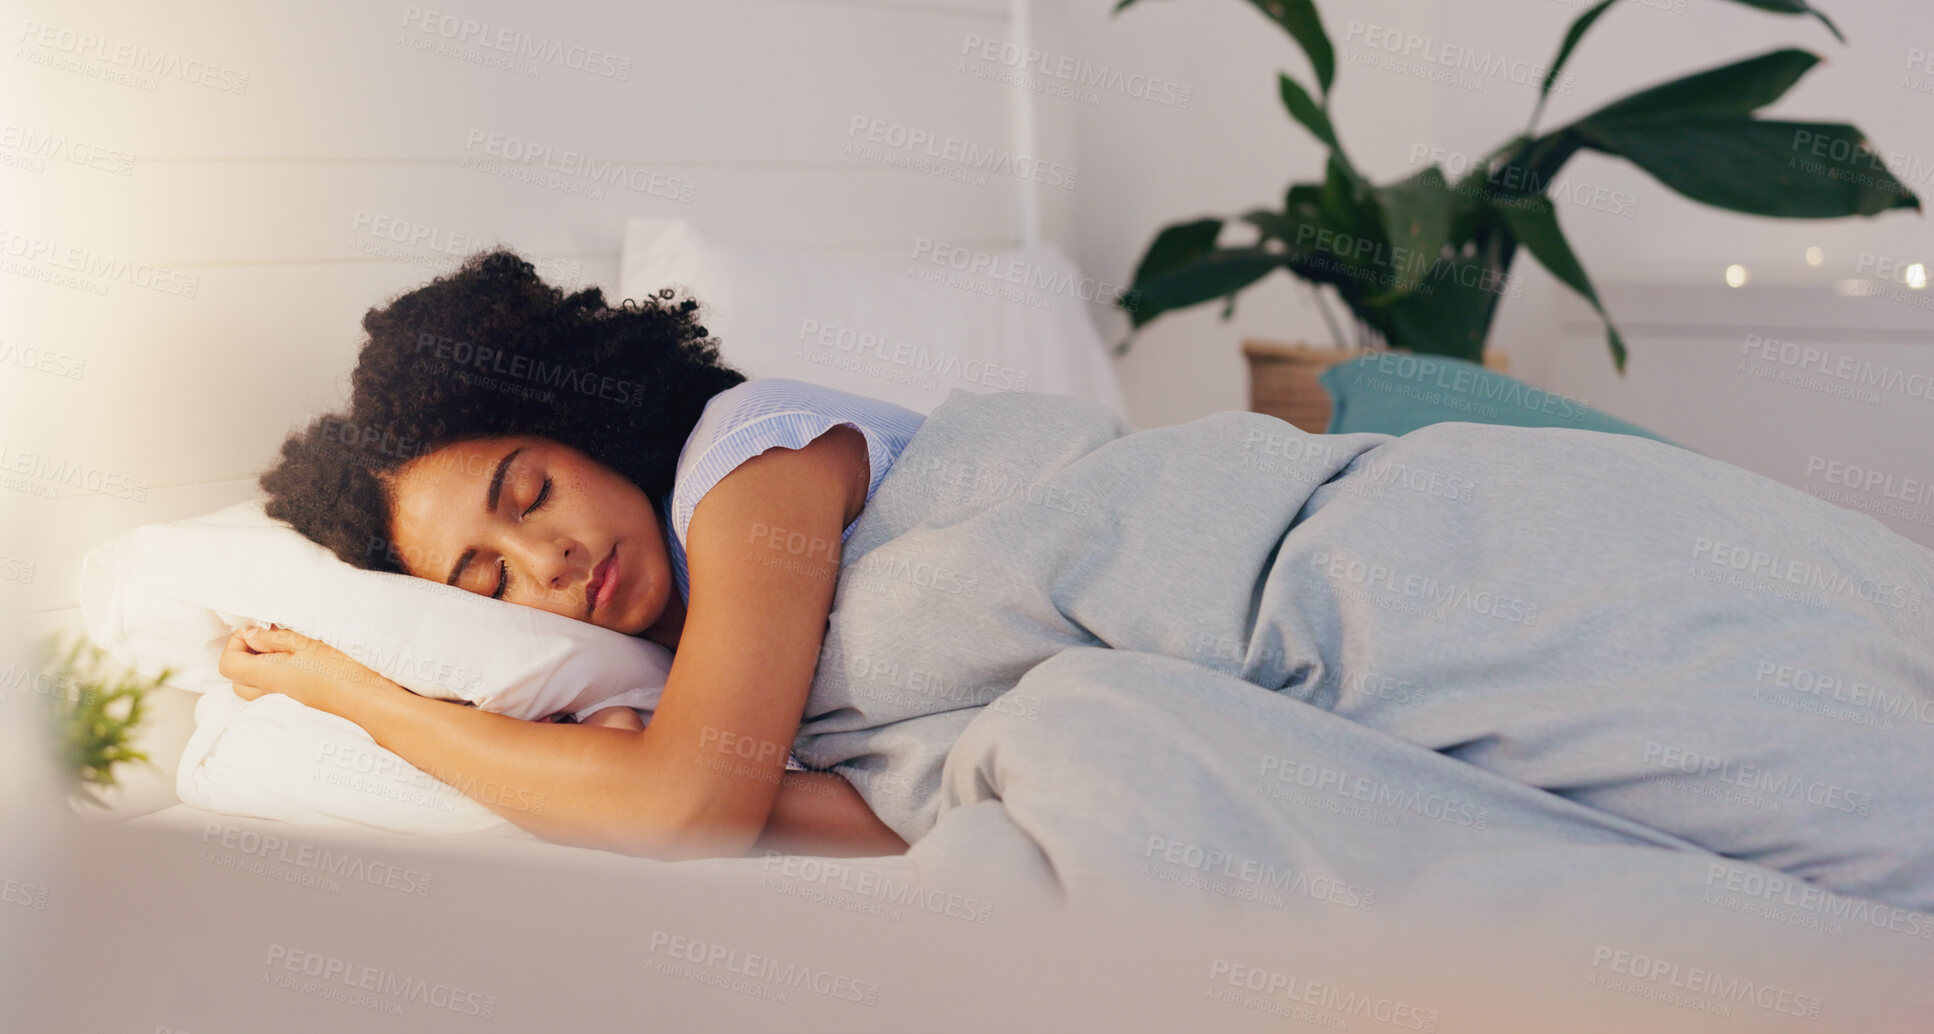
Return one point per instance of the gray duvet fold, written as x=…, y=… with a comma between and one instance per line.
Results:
x=1596, y=641
x=1368, y=867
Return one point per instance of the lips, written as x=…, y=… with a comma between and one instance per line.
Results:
x=603, y=584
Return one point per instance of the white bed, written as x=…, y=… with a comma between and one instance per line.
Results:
x=210, y=827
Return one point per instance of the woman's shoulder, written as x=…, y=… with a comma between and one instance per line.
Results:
x=746, y=419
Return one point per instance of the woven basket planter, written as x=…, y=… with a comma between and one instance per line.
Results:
x=1283, y=384
x=1283, y=380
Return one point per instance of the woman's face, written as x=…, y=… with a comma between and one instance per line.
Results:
x=537, y=523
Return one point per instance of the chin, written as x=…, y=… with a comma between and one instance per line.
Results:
x=644, y=624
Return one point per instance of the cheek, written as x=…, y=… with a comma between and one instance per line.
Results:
x=606, y=506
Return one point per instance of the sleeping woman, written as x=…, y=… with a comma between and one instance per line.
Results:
x=599, y=462
x=1598, y=619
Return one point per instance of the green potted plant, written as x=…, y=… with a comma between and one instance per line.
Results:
x=95, y=710
x=1421, y=263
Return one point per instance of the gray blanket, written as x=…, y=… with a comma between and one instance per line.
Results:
x=1352, y=664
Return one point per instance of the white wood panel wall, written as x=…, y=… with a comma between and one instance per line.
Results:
x=234, y=235
x=1828, y=392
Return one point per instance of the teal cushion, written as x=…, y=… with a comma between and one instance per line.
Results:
x=1396, y=392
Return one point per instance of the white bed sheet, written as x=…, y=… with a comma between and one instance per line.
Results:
x=218, y=830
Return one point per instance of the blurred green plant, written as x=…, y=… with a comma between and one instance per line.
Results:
x=1422, y=263
x=95, y=709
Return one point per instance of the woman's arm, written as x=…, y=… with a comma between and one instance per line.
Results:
x=815, y=813
x=812, y=813
x=562, y=781
x=703, y=779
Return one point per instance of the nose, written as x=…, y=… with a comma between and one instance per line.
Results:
x=553, y=565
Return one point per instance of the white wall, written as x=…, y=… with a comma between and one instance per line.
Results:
x=238, y=221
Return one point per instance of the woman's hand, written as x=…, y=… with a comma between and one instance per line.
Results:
x=276, y=660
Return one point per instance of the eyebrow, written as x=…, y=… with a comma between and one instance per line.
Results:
x=490, y=506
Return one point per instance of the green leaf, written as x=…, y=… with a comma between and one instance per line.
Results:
x=1540, y=160
x=1535, y=224
x=1470, y=212
x=1303, y=200
x=1304, y=109
x=1737, y=89
x=1290, y=230
x=1349, y=202
x=1795, y=7
x=1417, y=214
x=1198, y=279
x=1579, y=27
x=1176, y=244
x=1299, y=19
x=1790, y=170
x=1740, y=88
x=1304, y=217
x=1448, y=314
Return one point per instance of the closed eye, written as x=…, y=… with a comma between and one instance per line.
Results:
x=503, y=567
x=543, y=494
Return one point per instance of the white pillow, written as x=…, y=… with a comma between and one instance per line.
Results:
x=168, y=595
x=884, y=329
x=274, y=758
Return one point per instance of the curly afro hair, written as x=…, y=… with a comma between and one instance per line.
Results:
x=493, y=350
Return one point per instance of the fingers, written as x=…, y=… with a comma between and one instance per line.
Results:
x=280, y=661
x=235, y=654
x=239, y=666
x=255, y=659
x=275, y=640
